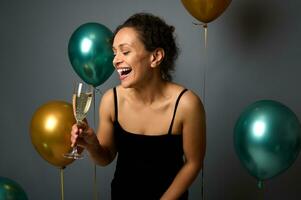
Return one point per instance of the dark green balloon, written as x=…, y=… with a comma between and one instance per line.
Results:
x=10, y=190
x=267, y=138
x=90, y=53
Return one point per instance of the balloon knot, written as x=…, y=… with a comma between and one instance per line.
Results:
x=197, y=24
x=98, y=90
x=260, y=184
x=200, y=24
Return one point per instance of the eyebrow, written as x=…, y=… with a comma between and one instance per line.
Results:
x=121, y=45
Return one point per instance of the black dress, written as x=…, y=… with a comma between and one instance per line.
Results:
x=146, y=165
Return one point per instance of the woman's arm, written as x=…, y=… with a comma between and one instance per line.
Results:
x=192, y=115
x=101, y=147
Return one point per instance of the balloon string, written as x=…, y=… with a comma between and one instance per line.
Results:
x=202, y=189
x=95, y=183
x=62, y=182
x=94, y=125
x=205, y=26
x=206, y=34
x=205, y=64
x=204, y=94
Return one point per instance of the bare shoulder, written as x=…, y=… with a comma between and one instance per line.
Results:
x=107, y=104
x=107, y=98
x=191, y=104
x=191, y=100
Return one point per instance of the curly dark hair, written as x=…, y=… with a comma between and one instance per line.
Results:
x=155, y=33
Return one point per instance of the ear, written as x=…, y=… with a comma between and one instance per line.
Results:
x=157, y=57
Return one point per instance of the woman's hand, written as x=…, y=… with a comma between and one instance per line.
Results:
x=83, y=136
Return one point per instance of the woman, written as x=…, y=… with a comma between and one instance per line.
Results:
x=156, y=127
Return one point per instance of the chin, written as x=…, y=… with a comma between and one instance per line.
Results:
x=126, y=84
x=131, y=83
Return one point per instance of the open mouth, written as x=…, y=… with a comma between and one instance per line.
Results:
x=124, y=71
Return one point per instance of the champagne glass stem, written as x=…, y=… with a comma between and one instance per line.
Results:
x=74, y=149
x=74, y=153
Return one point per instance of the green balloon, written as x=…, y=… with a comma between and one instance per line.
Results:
x=267, y=138
x=90, y=53
x=10, y=190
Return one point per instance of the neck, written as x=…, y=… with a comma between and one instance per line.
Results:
x=150, y=91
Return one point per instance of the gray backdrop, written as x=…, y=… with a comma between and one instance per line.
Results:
x=253, y=53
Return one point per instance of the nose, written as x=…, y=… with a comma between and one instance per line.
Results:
x=117, y=60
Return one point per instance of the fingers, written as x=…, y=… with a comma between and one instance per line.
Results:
x=80, y=133
x=82, y=125
x=74, y=134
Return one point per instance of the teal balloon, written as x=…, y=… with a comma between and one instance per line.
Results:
x=267, y=138
x=10, y=190
x=90, y=53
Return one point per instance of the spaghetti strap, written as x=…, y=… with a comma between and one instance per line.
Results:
x=175, y=110
x=115, y=104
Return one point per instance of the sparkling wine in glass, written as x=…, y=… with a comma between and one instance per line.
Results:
x=81, y=101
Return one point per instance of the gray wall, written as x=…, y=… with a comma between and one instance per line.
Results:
x=253, y=53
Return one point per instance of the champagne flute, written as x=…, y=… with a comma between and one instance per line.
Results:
x=81, y=101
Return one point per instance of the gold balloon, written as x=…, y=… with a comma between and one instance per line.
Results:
x=206, y=10
x=51, y=130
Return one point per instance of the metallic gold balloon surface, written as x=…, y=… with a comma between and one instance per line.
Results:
x=50, y=131
x=206, y=10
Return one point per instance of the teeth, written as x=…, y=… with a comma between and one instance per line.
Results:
x=121, y=70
